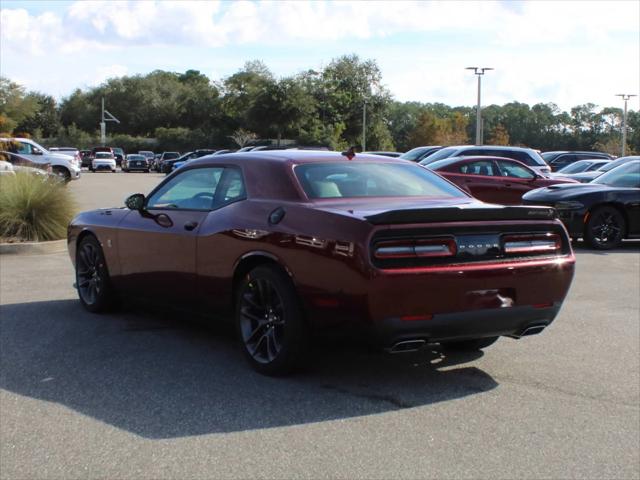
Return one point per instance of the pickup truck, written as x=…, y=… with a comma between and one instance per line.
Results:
x=64, y=166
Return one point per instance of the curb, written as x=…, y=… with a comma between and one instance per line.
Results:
x=33, y=248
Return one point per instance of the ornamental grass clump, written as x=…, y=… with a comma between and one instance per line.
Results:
x=33, y=208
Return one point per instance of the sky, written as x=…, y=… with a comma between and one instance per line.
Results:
x=565, y=52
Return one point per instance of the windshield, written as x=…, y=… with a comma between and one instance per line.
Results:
x=549, y=156
x=413, y=154
x=104, y=155
x=616, y=163
x=136, y=157
x=351, y=180
x=576, y=167
x=625, y=176
x=444, y=153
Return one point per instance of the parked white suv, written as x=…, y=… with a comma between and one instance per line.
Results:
x=103, y=161
x=64, y=166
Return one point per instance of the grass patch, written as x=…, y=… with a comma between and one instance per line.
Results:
x=34, y=209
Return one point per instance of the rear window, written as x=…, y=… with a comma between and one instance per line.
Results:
x=352, y=180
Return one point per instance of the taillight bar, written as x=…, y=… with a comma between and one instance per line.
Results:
x=440, y=247
x=548, y=242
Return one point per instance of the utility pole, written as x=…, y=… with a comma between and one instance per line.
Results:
x=625, y=97
x=103, y=123
x=364, y=126
x=479, y=71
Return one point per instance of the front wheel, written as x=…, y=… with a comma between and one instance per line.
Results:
x=62, y=173
x=470, y=345
x=92, y=277
x=605, y=228
x=269, y=320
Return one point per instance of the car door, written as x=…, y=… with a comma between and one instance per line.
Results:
x=157, y=246
x=480, y=178
x=26, y=150
x=517, y=180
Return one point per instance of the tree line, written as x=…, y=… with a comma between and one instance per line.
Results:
x=181, y=111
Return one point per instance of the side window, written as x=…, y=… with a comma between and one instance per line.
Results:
x=233, y=186
x=510, y=169
x=191, y=190
x=521, y=157
x=23, y=148
x=481, y=167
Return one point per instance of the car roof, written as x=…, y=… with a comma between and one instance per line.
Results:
x=292, y=157
x=264, y=170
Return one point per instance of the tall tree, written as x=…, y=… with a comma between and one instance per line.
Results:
x=15, y=105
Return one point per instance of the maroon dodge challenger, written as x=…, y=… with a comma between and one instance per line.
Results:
x=289, y=243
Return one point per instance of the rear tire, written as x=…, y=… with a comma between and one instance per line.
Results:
x=92, y=277
x=470, y=345
x=272, y=330
x=605, y=228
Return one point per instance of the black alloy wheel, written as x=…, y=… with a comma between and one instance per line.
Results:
x=269, y=321
x=92, y=277
x=605, y=228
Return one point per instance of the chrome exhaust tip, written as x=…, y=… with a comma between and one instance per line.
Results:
x=407, y=346
x=532, y=330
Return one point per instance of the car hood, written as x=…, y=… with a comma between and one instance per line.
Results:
x=58, y=156
x=564, y=191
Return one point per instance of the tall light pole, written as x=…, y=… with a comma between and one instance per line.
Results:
x=479, y=71
x=625, y=97
x=364, y=126
x=104, y=118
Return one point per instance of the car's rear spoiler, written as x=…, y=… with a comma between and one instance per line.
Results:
x=457, y=214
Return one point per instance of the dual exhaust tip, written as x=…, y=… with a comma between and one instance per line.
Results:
x=407, y=346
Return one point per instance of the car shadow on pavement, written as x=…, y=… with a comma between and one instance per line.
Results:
x=627, y=246
x=159, y=376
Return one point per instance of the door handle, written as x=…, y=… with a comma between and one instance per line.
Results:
x=190, y=225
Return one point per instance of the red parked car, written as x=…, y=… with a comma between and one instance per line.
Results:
x=493, y=179
x=290, y=242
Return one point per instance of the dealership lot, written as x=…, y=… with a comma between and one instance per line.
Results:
x=144, y=394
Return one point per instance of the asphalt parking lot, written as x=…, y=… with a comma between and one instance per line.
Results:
x=144, y=394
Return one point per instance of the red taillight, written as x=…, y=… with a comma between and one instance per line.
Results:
x=532, y=243
x=437, y=247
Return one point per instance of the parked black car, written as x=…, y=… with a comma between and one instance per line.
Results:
x=560, y=159
x=528, y=156
x=586, y=177
x=603, y=212
x=580, y=166
x=135, y=161
x=420, y=153
x=167, y=165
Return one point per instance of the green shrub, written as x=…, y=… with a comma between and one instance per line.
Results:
x=34, y=209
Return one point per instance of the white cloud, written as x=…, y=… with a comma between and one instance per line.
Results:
x=105, y=73
x=127, y=23
x=563, y=51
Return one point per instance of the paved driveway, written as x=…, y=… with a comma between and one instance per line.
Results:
x=147, y=394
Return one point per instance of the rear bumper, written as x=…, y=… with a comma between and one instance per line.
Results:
x=465, y=325
x=452, y=302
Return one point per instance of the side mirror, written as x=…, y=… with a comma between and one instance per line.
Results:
x=36, y=151
x=135, y=202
